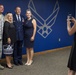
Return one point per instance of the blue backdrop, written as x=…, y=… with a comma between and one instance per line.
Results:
x=51, y=21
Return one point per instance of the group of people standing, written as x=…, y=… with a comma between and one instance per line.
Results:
x=14, y=31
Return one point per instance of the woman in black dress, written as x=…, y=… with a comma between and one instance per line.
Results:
x=29, y=36
x=9, y=38
x=72, y=58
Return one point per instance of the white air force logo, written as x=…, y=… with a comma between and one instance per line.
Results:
x=44, y=25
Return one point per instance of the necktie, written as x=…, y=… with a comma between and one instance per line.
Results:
x=18, y=18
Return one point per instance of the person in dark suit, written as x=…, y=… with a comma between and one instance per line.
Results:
x=18, y=22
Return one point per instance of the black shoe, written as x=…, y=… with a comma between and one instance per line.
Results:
x=20, y=63
x=16, y=63
x=9, y=67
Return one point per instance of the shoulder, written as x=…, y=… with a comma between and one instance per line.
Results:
x=33, y=20
x=25, y=20
x=22, y=16
x=6, y=23
x=14, y=15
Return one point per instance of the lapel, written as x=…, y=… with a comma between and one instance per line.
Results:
x=15, y=18
x=21, y=17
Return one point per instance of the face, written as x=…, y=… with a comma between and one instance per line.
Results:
x=28, y=14
x=18, y=10
x=1, y=8
x=10, y=17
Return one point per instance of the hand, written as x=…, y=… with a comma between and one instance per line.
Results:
x=73, y=20
x=32, y=38
x=9, y=40
x=68, y=22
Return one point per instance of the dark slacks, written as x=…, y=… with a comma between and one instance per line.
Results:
x=17, y=54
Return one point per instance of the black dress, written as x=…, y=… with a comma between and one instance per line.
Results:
x=28, y=33
x=9, y=31
x=72, y=58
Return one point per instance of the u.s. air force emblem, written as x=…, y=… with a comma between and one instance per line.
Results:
x=44, y=25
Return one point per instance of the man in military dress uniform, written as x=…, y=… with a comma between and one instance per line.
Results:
x=1, y=31
x=18, y=22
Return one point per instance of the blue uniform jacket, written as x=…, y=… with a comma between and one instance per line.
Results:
x=19, y=27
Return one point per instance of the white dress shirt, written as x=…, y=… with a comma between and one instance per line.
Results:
x=18, y=17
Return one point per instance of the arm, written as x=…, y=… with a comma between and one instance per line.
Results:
x=34, y=26
x=71, y=30
x=6, y=29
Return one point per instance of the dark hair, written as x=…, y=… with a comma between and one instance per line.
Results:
x=1, y=4
x=8, y=12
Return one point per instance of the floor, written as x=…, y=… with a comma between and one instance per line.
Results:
x=53, y=63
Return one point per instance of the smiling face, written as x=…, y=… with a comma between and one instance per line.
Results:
x=28, y=14
x=18, y=10
x=10, y=17
x=1, y=8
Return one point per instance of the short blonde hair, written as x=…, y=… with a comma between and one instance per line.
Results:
x=6, y=17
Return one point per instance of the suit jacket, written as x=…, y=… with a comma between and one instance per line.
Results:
x=19, y=27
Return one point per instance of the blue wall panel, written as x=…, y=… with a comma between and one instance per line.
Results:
x=42, y=9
